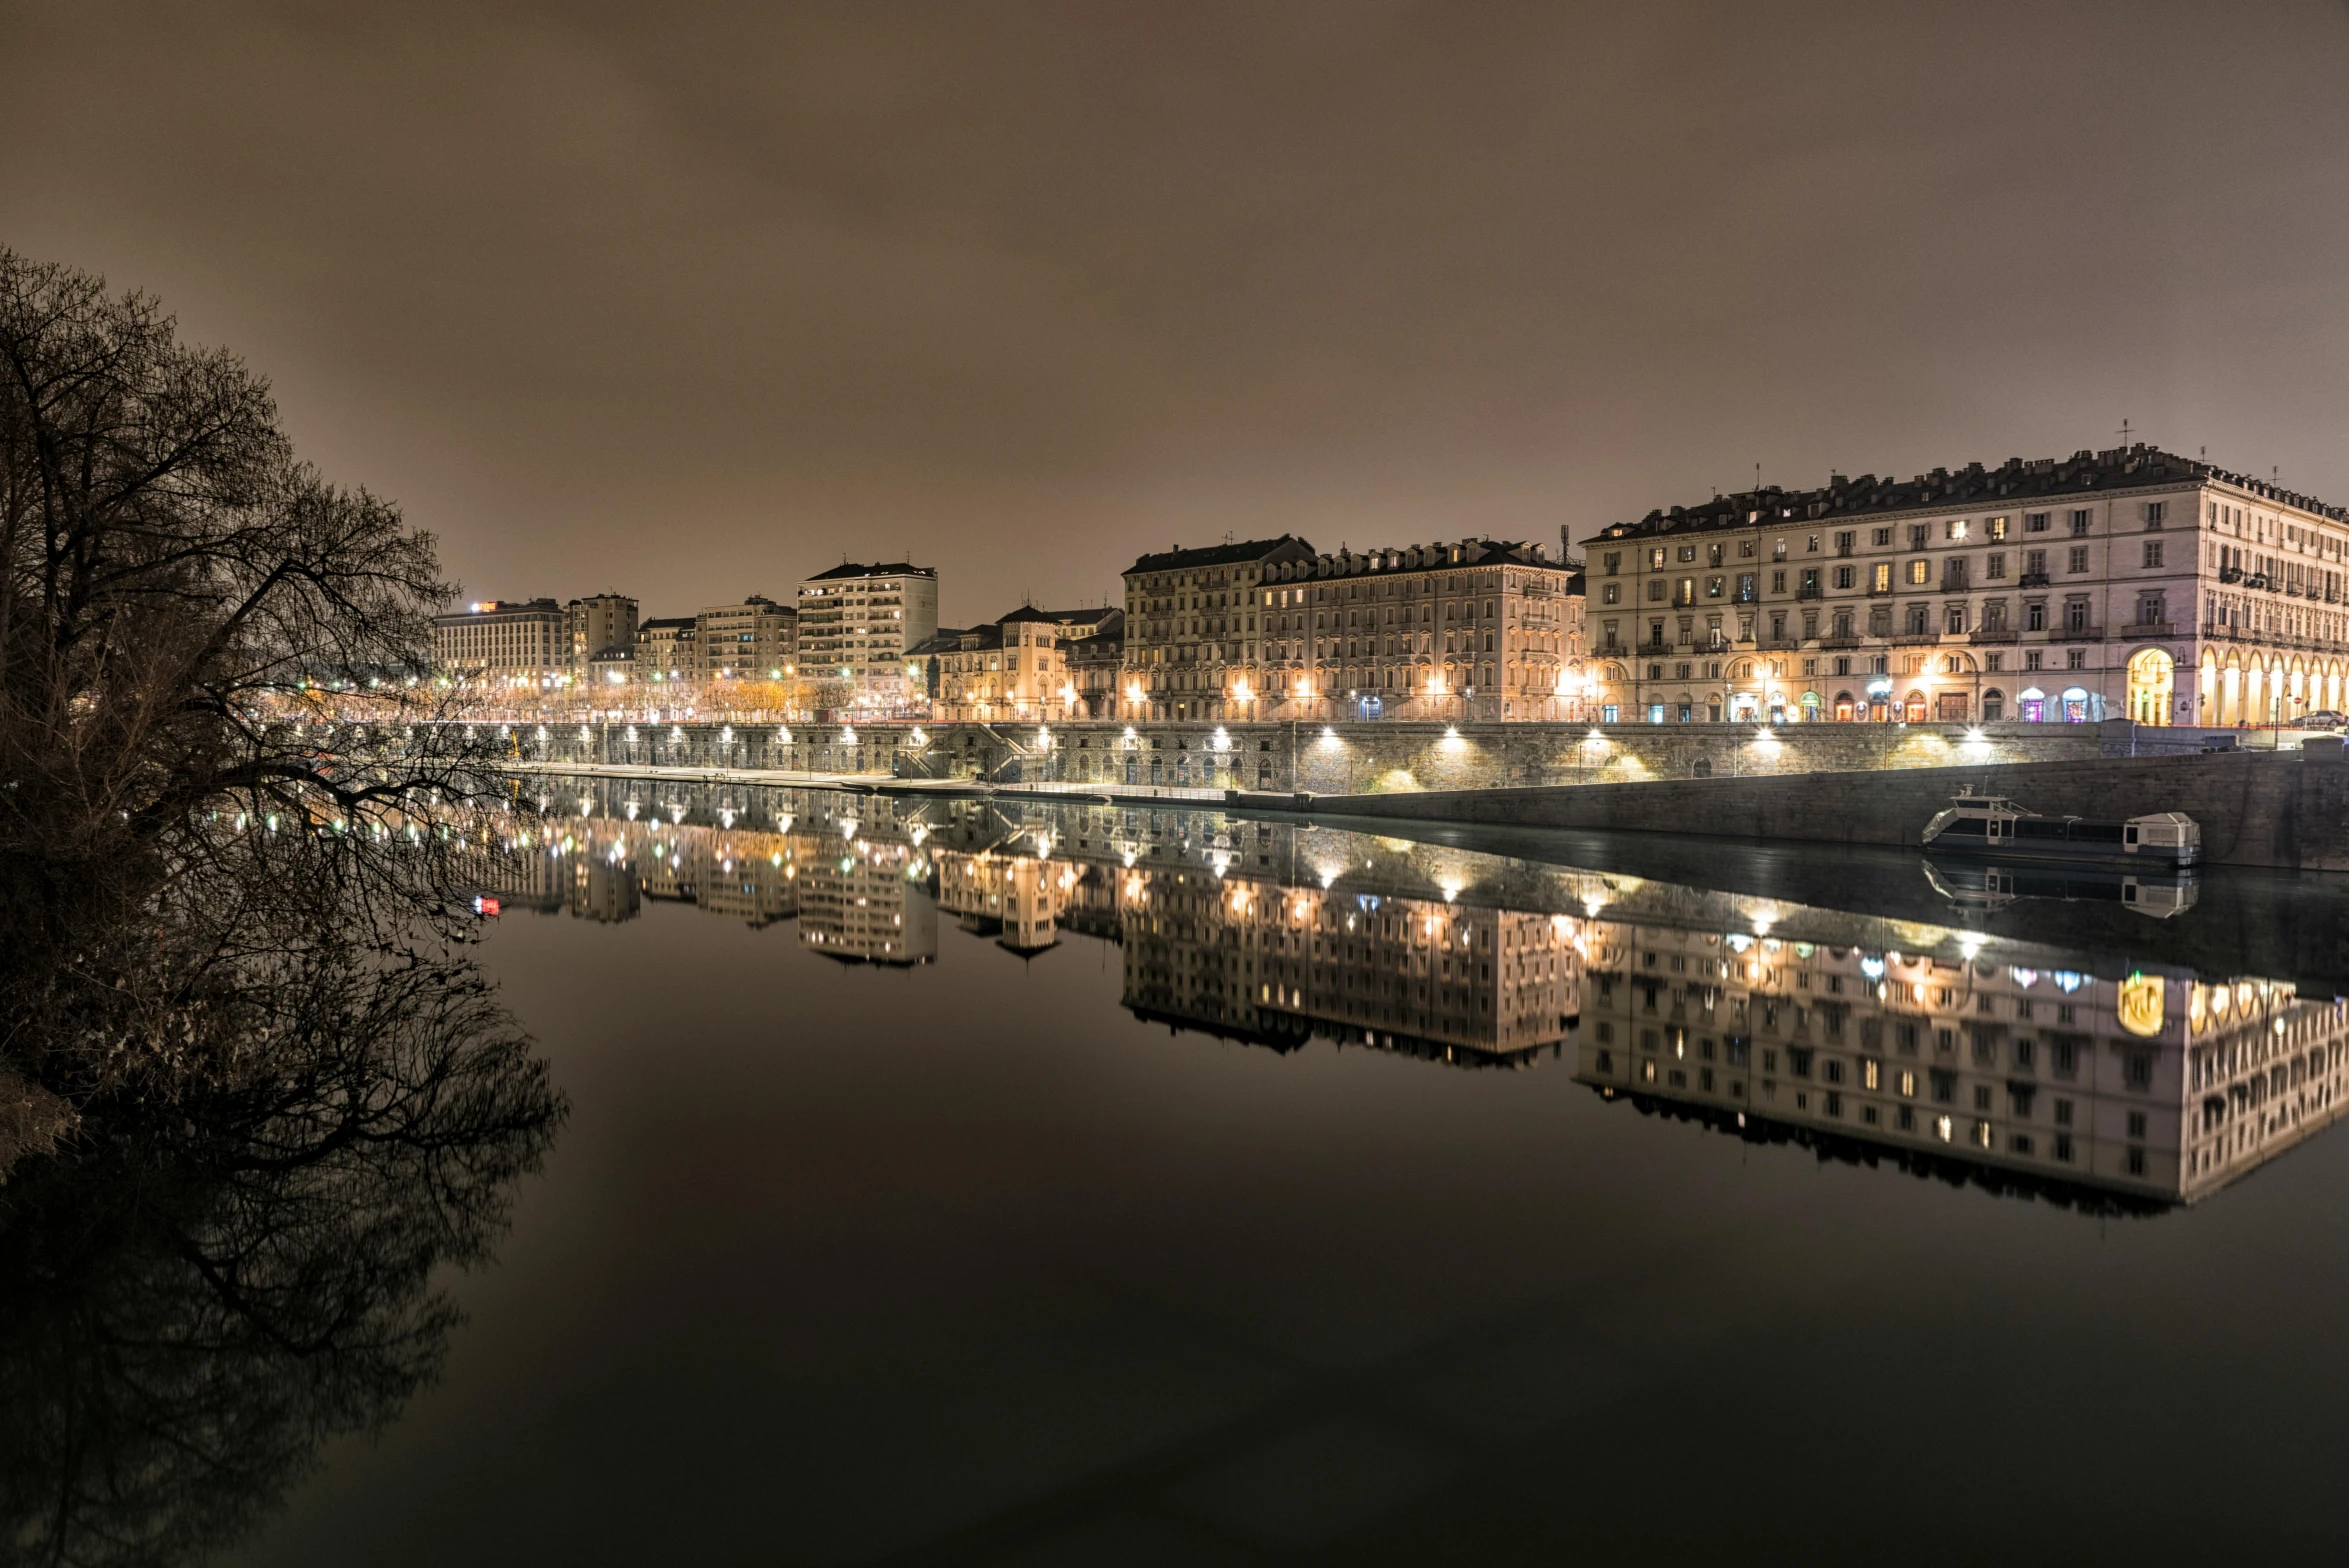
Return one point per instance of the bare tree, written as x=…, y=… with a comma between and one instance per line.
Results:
x=173, y=575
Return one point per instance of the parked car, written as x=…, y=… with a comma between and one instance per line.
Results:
x=2324, y=719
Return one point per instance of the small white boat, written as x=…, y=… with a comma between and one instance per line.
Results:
x=1994, y=825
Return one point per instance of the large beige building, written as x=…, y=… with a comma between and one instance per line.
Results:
x=1477, y=629
x=756, y=640
x=504, y=646
x=2125, y=583
x=857, y=623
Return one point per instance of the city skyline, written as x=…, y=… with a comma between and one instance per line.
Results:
x=676, y=309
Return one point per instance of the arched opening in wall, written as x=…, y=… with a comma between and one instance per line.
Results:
x=1811, y=706
x=1845, y=709
x=2077, y=705
x=2152, y=674
x=1993, y=705
x=2031, y=705
x=1914, y=708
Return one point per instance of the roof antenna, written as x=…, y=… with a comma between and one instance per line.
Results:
x=1757, y=479
x=2124, y=430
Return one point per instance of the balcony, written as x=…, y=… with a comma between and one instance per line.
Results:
x=2076, y=634
x=1834, y=643
x=1915, y=639
x=1885, y=592
x=2032, y=580
x=1995, y=634
x=2230, y=574
x=1810, y=591
x=1655, y=650
x=1781, y=644
x=2150, y=629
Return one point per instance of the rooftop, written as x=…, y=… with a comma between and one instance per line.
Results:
x=2016, y=482
x=1217, y=555
x=877, y=569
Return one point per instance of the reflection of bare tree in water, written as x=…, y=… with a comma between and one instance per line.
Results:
x=196, y=1291
x=253, y=1092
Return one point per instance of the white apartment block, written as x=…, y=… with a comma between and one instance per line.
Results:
x=2129, y=583
x=856, y=624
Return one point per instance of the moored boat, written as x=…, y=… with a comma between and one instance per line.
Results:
x=1994, y=825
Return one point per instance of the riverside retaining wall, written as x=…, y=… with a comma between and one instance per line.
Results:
x=2276, y=809
x=1336, y=759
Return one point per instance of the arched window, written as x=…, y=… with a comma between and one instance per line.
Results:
x=1993, y=704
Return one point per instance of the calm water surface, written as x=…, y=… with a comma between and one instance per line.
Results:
x=953, y=1183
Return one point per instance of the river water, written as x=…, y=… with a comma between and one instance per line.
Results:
x=970, y=1182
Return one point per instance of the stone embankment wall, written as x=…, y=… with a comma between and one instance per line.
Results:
x=2279, y=809
x=1339, y=759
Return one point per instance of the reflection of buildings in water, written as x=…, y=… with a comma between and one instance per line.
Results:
x=866, y=903
x=514, y=864
x=603, y=890
x=1020, y=901
x=2015, y=1076
x=2043, y=1076
x=2264, y=1071
x=1276, y=964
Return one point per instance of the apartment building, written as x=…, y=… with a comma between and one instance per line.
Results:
x=857, y=623
x=1093, y=642
x=1026, y=665
x=756, y=640
x=600, y=627
x=2124, y=583
x=667, y=650
x=509, y=645
x=1477, y=629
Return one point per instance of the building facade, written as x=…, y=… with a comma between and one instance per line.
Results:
x=595, y=628
x=2129, y=583
x=857, y=623
x=504, y=645
x=1093, y=646
x=1478, y=629
x=756, y=640
x=1025, y=666
x=667, y=651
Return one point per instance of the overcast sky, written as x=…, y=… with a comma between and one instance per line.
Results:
x=692, y=300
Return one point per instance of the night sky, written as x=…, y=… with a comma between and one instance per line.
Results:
x=690, y=300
